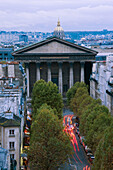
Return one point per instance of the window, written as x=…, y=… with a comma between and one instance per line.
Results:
x=5, y=54
x=11, y=145
x=12, y=156
x=11, y=132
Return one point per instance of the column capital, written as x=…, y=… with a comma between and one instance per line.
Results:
x=82, y=62
x=37, y=62
x=71, y=63
x=60, y=63
x=49, y=64
x=27, y=65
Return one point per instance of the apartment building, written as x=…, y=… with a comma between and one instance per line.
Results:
x=10, y=138
x=101, y=81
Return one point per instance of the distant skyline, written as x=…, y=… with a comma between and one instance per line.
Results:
x=42, y=15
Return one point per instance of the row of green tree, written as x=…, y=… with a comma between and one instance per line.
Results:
x=96, y=124
x=49, y=144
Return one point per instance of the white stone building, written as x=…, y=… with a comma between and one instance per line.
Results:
x=101, y=81
x=12, y=100
x=10, y=137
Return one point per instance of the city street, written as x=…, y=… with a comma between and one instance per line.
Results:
x=78, y=160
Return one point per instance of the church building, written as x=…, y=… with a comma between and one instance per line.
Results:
x=56, y=60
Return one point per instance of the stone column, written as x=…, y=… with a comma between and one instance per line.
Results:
x=71, y=75
x=82, y=71
x=27, y=73
x=49, y=72
x=60, y=79
x=38, y=71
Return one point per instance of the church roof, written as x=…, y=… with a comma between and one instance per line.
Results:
x=53, y=39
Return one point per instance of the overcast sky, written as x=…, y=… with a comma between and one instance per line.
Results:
x=42, y=15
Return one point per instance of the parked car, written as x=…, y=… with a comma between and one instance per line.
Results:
x=75, y=119
x=87, y=149
x=91, y=158
x=89, y=154
x=82, y=139
x=77, y=131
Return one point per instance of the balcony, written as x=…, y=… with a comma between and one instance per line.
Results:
x=11, y=149
x=11, y=135
x=110, y=82
x=110, y=92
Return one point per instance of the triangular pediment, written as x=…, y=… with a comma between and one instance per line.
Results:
x=53, y=45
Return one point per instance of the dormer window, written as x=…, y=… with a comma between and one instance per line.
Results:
x=11, y=132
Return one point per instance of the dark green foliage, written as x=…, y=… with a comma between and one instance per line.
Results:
x=89, y=109
x=96, y=130
x=80, y=95
x=71, y=92
x=104, y=151
x=49, y=145
x=47, y=93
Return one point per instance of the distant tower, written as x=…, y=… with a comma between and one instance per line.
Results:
x=58, y=31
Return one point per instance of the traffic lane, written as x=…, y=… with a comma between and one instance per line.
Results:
x=79, y=157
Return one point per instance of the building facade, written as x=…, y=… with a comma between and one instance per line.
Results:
x=101, y=81
x=56, y=60
x=5, y=54
x=12, y=100
x=10, y=137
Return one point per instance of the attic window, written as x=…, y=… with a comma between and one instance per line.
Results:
x=11, y=132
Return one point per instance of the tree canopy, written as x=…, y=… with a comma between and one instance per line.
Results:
x=71, y=92
x=49, y=144
x=44, y=92
x=80, y=95
x=104, y=151
x=88, y=110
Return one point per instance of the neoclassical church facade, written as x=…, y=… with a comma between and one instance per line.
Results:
x=56, y=60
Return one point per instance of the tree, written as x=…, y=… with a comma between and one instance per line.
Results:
x=49, y=145
x=87, y=111
x=44, y=92
x=80, y=95
x=71, y=92
x=96, y=123
x=82, y=106
x=104, y=151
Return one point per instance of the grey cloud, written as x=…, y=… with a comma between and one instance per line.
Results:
x=42, y=15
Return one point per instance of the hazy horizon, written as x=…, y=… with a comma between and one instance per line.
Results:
x=53, y=31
